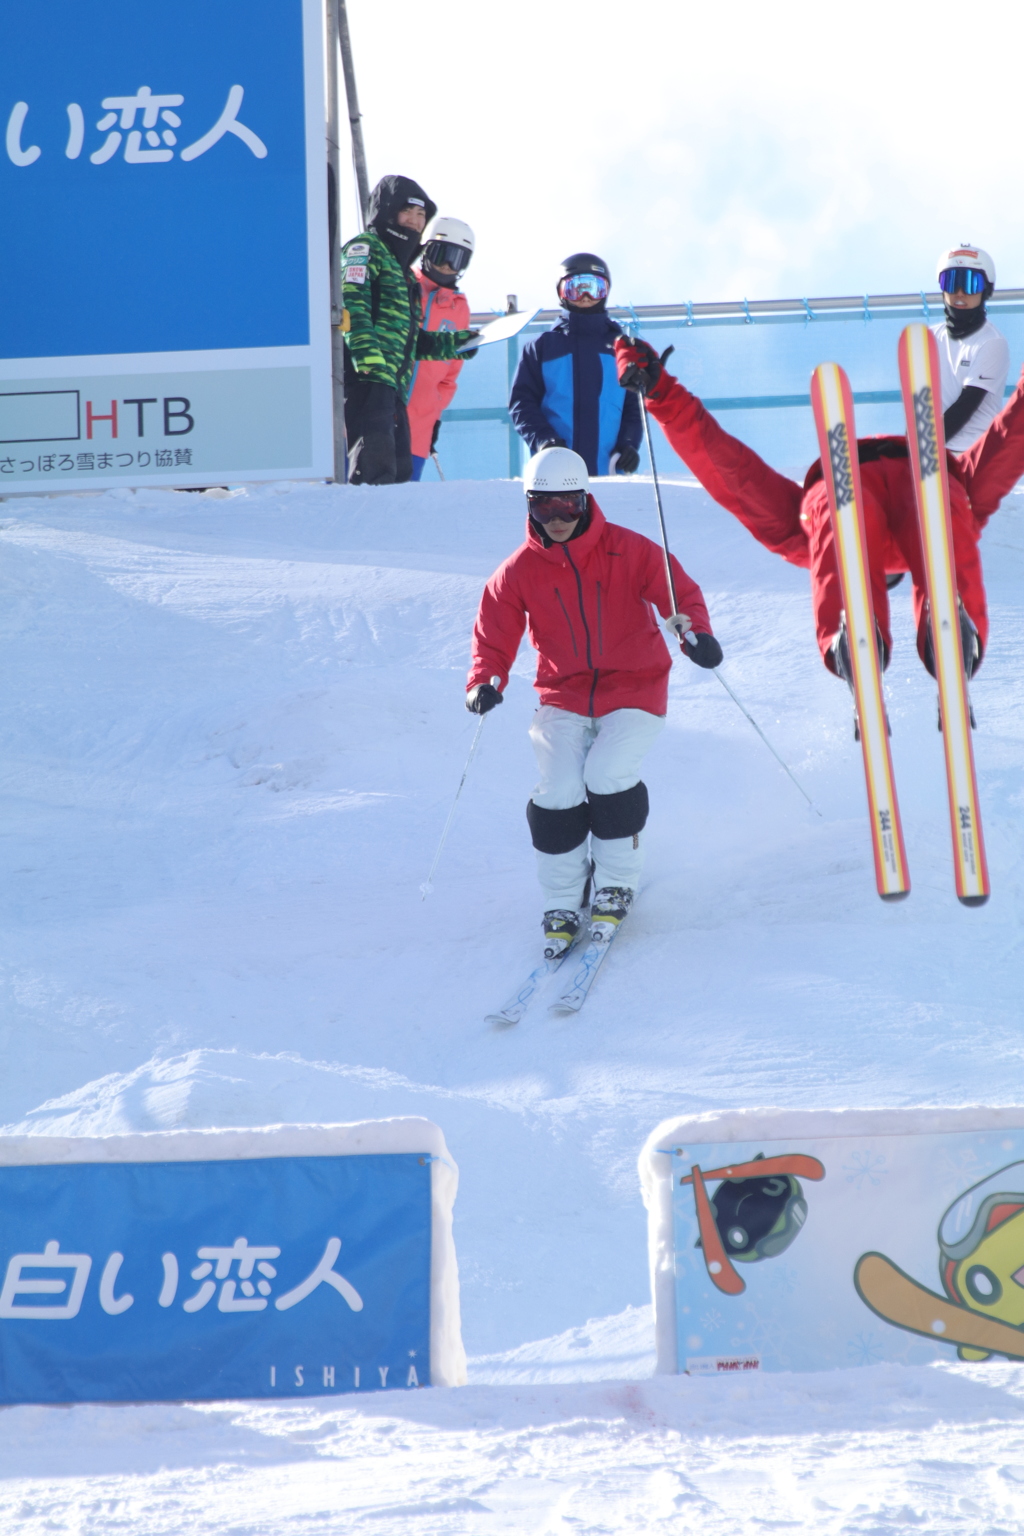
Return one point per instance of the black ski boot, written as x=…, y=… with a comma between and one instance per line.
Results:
x=843, y=667
x=560, y=929
x=970, y=645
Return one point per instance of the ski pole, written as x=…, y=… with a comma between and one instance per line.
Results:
x=427, y=887
x=690, y=634
x=437, y=463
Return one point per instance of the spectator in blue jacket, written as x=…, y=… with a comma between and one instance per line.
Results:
x=566, y=391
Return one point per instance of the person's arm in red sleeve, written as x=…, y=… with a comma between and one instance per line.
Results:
x=992, y=466
x=766, y=503
x=499, y=627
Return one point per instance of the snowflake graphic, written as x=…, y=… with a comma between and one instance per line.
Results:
x=865, y=1167
x=709, y=1321
x=863, y=1350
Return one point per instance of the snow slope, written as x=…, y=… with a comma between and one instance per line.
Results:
x=233, y=727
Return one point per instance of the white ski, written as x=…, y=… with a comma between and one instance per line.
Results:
x=572, y=1000
x=523, y=996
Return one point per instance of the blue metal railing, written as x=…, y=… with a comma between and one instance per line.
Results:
x=774, y=343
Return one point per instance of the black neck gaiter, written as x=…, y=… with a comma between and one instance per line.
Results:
x=964, y=322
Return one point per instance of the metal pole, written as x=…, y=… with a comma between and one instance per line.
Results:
x=690, y=635
x=354, y=116
x=426, y=889
x=334, y=235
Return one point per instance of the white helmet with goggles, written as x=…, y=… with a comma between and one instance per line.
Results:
x=966, y=269
x=448, y=242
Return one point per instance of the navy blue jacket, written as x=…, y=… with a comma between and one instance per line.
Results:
x=566, y=386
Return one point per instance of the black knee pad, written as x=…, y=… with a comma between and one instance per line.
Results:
x=558, y=831
x=621, y=815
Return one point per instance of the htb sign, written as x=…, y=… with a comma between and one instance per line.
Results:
x=153, y=1271
x=165, y=266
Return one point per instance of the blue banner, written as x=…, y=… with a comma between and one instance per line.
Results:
x=154, y=179
x=261, y=1277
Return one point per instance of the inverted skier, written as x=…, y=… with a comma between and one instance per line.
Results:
x=585, y=587
x=793, y=520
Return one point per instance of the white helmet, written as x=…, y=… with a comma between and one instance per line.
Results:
x=970, y=256
x=556, y=469
x=451, y=232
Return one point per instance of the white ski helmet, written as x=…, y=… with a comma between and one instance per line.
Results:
x=556, y=469
x=970, y=256
x=444, y=230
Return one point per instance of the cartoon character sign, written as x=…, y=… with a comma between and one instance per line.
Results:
x=755, y=1213
x=981, y=1263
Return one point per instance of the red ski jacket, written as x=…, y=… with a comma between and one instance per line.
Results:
x=588, y=607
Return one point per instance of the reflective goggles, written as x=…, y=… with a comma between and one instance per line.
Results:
x=556, y=506
x=442, y=253
x=583, y=285
x=962, y=280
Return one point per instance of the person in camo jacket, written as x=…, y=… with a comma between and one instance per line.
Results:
x=381, y=325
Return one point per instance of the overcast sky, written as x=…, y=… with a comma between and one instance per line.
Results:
x=714, y=150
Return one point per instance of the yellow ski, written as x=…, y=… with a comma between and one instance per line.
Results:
x=922, y=401
x=837, y=438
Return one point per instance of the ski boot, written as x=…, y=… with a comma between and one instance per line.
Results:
x=840, y=653
x=560, y=929
x=611, y=903
x=970, y=644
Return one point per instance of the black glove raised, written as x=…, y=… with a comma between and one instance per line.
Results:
x=481, y=699
x=705, y=650
x=435, y=434
x=628, y=460
x=639, y=366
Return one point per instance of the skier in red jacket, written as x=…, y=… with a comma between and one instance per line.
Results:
x=585, y=588
x=793, y=520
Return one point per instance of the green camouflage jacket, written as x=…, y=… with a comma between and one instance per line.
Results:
x=381, y=318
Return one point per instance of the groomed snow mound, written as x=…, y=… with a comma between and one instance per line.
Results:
x=233, y=727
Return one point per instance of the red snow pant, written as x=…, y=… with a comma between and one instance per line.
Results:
x=894, y=544
x=795, y=523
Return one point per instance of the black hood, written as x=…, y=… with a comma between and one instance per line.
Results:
x=389, y=196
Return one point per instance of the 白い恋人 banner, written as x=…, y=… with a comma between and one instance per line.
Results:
x=286, y=1262
x=166, y=314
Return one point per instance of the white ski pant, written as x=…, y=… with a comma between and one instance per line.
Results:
x=577, y=754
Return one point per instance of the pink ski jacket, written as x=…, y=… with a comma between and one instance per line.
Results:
x=588, y=607
x=434, y=384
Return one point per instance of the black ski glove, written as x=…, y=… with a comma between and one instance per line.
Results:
x=435, y=434
x=470, y=336
x=554, y=442
x=628, y=461
x=481, y=699
x=705, y=650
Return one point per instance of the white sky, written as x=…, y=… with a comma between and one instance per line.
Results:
x=708, y=151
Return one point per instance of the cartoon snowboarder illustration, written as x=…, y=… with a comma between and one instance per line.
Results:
x=981, y=1263
x=755, y=1213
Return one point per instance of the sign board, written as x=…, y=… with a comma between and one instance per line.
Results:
x=191, y=1266
x=502, y=329
x=809, y=1241
x=166, y=315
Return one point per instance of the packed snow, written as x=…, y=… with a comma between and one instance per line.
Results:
x=233, y=730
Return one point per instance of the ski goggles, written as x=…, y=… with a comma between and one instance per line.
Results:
x=556, y=506
x=962, y=280
x=583, y=285
x=442, y=253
